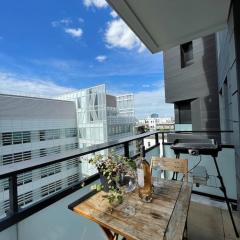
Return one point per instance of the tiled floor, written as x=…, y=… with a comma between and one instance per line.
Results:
x=206, y=221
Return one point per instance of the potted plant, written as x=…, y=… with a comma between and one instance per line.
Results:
x=114, y=170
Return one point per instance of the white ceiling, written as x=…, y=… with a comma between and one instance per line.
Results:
x=162, y=24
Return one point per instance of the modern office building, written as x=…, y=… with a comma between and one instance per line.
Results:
x=101, y=117
x=32, y=129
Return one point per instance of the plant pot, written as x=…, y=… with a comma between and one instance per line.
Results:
x=104, y=182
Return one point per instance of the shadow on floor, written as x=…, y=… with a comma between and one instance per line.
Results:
x=210, y=223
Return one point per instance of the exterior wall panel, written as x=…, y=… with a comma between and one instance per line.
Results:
x=229, y=82
x=197, y=82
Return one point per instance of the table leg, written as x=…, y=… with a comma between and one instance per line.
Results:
x=109, y=234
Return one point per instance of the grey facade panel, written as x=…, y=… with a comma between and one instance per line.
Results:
x=229, y=82
x=111, y=101
x=18, y=107
x=197, y=82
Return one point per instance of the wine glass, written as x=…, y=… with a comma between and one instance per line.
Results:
x=127, y=183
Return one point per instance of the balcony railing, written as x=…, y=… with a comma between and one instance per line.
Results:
x=21, y=202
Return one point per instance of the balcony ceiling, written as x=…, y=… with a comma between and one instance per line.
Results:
x=162, y=24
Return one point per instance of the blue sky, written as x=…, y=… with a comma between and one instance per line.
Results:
x=50, y=47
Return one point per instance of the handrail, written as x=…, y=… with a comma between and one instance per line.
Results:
x=21, y=167
x=16, y=214
x=17, y=168
x=11, y=171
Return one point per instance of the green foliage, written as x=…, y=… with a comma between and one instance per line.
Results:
x=111, y=168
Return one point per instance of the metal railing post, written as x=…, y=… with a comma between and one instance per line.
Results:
x=13, y=195
x=162, y=146
x=126, y=149
x=156, y=139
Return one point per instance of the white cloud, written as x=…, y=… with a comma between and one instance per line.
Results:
x=62, y=22
x=118, y=34
x=101, y=58
x=145, y=85
x=95, y=3
x=148, y=102
x=113, y=14
x=22, y=85
x=74, y=32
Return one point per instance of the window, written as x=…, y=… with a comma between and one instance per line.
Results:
x=43, y=152
x=17, y=137
x=25, y=198
x=42, y=135
x=24, y=178
x=27, y=155
x=184, y=112
x=17, y=157
x=70, y=132
x=26, y=137
x=186, y=54
x=79, y=102
x=7, y=159
x=6, y=138
x=149, y=144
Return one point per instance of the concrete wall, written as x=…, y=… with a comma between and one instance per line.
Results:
x=229, y=81
x=55, y=222
x=197, y=82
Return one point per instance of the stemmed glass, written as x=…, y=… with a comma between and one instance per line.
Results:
x=127, y=183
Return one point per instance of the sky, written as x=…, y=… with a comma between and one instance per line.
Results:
x=50, y=47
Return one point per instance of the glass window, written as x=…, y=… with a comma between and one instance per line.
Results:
x=7, y=159
x=42, y=135
x=79, y=102
x=17, y=137
x=6, y=138
x=26, y=155
x=26, y=137
x=17, y=157
x=43, y=152
x=184, y=109
x=186, y=54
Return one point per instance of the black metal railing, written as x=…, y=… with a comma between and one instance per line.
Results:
x=11, y=172
x=16, y=213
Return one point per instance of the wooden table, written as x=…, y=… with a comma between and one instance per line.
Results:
x=163, y=218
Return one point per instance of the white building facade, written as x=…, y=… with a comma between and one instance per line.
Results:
x=31, y=129
x=35, y=128
x=101, y=117
x=158, y=123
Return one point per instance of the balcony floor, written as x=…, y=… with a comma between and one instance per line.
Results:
x=210, y=222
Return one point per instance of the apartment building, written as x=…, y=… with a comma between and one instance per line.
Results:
x=191, y=84
x=158, y=123
x=35, y=128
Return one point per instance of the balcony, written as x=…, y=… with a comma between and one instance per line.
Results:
x=43, y=211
